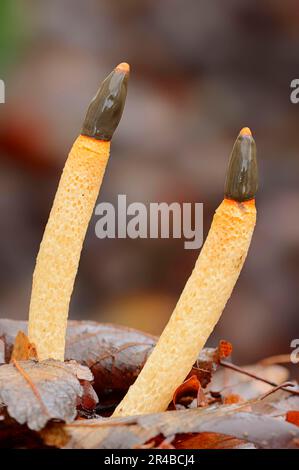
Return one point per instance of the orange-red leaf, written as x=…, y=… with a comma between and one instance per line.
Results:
x=293, y=417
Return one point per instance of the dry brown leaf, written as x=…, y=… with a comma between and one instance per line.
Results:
x=232, y=398
x=210, y=440
x=188, y=391
x=202, y=440
x=54, y=435
x=23, y=350
x=115, y=354
x=36, y=392
x=229, y=420
x=229, y=382
x=208, y=361
x=2, y=351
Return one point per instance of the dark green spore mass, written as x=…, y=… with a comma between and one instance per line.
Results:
x=106, y=108
x=242, y=175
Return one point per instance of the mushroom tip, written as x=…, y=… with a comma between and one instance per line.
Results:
x=245, y=131
x=242, y=176
x=123, y=67
x=106, y=108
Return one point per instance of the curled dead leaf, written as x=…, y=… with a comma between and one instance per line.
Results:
x=188, y=391
x=23, y=350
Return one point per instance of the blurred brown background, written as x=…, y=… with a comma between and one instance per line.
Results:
x=200, y=72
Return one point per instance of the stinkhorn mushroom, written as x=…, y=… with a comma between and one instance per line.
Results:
x=60, y=249
x=206, y=291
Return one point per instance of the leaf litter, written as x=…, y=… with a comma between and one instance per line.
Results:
x=219, y=405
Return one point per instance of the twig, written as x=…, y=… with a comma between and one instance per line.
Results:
x=256, y=377
x=279, y=387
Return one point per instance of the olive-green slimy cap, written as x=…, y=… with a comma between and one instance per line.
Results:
x=106, y=108
x=242, y=175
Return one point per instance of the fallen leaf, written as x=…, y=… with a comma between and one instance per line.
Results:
x=293, y=417
x=228, y=382
x=14, y=435
x=115, y=354
x=161, y=443
x=202, y=440
x=54, y=435
x=210, y=440
x=232, y=398
x=2, y=351
x=208, y=361
x=276, y=404
x=37, y=392
x=8, y=332
x=188, y=391
x=89, y=398
x=109, y=350
x=23, y=350
x=229, y=420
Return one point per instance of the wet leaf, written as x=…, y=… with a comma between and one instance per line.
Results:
x=115, y=354
x=229, y=420
x=37, y=392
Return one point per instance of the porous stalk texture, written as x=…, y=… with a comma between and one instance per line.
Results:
x=60, y=249
x=197, y=311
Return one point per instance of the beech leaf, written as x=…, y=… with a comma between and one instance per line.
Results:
x=204, y=440
x=115, y=354
x=37, y=392
x=235, y=421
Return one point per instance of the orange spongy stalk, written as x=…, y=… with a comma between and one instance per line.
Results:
x=197, y=312
x=60, y=249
